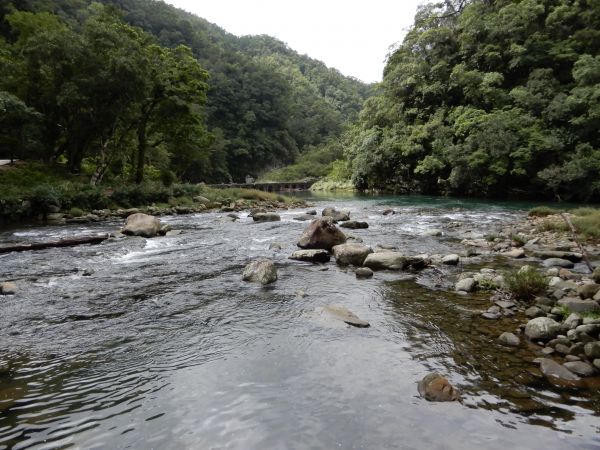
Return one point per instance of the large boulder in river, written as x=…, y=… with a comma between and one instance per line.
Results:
x=542, y=329
x=351, y=254
x=386, y=260
x=8, y=288
x=266, y=217
x=314, y=255
x=321, y=234
x=345, y=315
x=140, y=224
x=337, y=216
x=436, y=388
x=261, y=270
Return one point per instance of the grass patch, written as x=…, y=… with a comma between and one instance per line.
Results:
x=542, y=211
x=329, y=185
x=519, y=240
x=525, y=285
x=588, y=225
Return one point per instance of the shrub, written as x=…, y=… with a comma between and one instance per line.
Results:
x=542, y=211
x=588, y=225
x=525, y=285
x=44, y=198
x=76, y=212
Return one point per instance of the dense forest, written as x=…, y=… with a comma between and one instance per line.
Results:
x=137, y=89
x=496, y=98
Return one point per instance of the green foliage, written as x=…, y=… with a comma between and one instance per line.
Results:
x=525, y=285
x=44, y=198
x=490, y=99
x=542, y=211
x=588, y=225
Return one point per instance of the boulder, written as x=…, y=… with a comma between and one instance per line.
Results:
x=558, y=262
x=312, y=212
x=345, y=315
x=387, y=212
x=588, y=290
x=580, y=368
x=363, y=273
x=315, y=255
x=534, y=311
x=542, y=329
x=275, y=246
x=8, y=288
x=354, y=225
x=337, y=216
x=433, y=233
x=466, y=285
x=553, y=370
x=266, y=217
x=509, y=339
x=321, y=234
x=261, y=271
x=386, y=260
x=596, y=275
x=592, y=350
x=577, y=305
x=451, y=260
x=351, y=254
x=140, y=224
x=436, y=388
x=573, y=321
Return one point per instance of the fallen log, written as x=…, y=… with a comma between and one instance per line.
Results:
x=586, y=258
x=71, y=242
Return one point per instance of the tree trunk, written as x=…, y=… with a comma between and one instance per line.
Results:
x=141, y=151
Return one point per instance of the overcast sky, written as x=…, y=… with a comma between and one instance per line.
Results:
x=352, y=36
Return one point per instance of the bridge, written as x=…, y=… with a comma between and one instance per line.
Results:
x=269, y=187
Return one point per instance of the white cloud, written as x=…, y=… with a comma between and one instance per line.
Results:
x=351, y=36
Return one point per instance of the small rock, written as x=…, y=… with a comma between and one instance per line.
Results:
x=505, y=304
x=451, y=260
x=565, y=274
x=596, y=275
x=312, y=212
x=275, y=246
x=573, y=321
x=266, y=217
x=363, y=273
x=88, y=272
x=509, y=339
x=435, y=388
x=558, y=262
x=345, y=315
x=580, y=306
x=551, y=254
x=547, y=351
x=580, y=368
x=304, y=217
x=490, y=315
x=175, y=232
x=515, y=253
x=386, y=260
x=433, y=233
x=262, y=271
x=8, y=288
x=562, y=349
x=388, y=211
x=233, y=216
x=315, y=255
x=337, y=216
x=597, y=363
x=534, y=312
x=466, y=285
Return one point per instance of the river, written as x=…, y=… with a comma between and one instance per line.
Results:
x=164, y=346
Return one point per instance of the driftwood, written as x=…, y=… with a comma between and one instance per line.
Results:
x=71, y=242
x=586, y=258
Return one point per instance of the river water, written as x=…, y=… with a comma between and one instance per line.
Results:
x=164, y=346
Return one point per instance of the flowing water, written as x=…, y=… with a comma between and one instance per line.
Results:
x=164, y=346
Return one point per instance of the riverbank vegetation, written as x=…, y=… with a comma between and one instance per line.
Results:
x=496, y=99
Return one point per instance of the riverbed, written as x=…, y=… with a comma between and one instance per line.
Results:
x=164, y=346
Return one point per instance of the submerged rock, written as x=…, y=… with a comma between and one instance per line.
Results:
x=262, y=271
x=387, y=212
x=542, y=328
x=558, y=262
x=386, y=260
x=315, y=255
x=436, y=388
x=351, y=254
x=451, y=260
x=140, y=224
x=553, y=370
x=466, y=285
x=345, y=315
x=266, y=217
x=580, y=368
x=321, y=234
x=304, y=218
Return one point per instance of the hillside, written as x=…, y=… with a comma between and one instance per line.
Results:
x=263, y=104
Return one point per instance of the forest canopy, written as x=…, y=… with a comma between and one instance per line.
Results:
x=487, y=98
